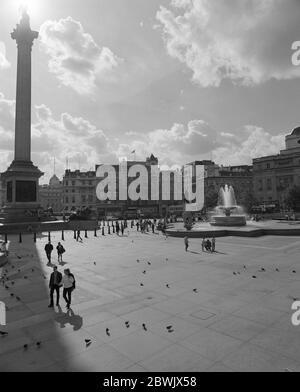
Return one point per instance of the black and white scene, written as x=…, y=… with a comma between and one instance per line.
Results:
x=149, y=188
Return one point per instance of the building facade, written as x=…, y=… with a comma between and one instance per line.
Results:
x=51, y=195
x=275, y=175
x=216, y=176
x=79, y=190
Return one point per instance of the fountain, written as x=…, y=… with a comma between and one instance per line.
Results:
x=228, y=213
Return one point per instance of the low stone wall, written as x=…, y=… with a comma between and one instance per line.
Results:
x=38, y=227
x=233, y=233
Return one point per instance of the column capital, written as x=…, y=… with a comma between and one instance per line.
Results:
x=23, y=33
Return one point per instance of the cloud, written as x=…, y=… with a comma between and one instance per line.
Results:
x=75, y=58
x=253, y=142
x=198, y=140
x=245, y=41
x=7, y=114
x=4, y=63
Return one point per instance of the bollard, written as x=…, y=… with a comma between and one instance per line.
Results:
x=85, y=234
x=20, y=237
x=62, y=235
x=95, y=233
x=103, y=231
x=34, y=237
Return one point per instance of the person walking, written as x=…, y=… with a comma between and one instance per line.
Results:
x=213, y=244
x=60, y=250
x=55, y=285
x=122, y=228
x=153, y=228
x=203, y=244
x=117, y=227
x=68, y=281
x=186, y=243
x=78, y=236
x=48, y=250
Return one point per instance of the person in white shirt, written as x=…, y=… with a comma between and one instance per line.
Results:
x=68, y=282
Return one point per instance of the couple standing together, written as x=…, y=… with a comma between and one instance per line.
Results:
x=57, y=280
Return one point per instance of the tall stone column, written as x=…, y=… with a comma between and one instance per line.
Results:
x=21, y=179
x=24, y=37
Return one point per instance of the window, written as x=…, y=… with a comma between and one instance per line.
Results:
x=73, y=199
x=73, y=183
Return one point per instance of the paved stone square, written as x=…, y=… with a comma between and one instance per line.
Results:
x=221, y=317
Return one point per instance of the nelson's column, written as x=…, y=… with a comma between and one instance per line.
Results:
x=21, y=178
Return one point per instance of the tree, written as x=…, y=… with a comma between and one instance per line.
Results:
x=293, y=198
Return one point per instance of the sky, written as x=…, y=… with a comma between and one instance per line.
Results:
x=183, y=79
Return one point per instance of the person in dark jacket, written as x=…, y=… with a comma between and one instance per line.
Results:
x=48, y=250
x=55, y=285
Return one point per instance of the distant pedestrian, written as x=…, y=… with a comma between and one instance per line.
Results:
x=186, y=243
x=213, y=244
x=203, y=244
x=122, y=228
x=208, y=245
x=153, y=228
x=60, y=250
x=137, y=226
x=78, y=236
x=68, y=281
x=117, y=227
x=48, y=250
x=55, y=285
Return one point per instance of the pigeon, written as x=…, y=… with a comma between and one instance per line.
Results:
x=169, y=327
x=277, y=270
x=3, y=333
x=25, y=277
x=38, y=344
x=254, y=277
x=195, y=290
x=19, y=257
x=12, y=282
x=245, y=267
x=141, y=285
x=18, y=298
x=234, y=273
x=168, y=286
x=262, y=269
x=170, y=330
x=167, y=259
x=144, y=326
x=25, y=346
x=12, y=294
x=294, y=272
x=6, y=287
x=88, y=342
x=149, y=263
x=107, y=332
x=144, y=272
x=32, y=270
x=138, y=261
x=127, y=324
x=95, y=263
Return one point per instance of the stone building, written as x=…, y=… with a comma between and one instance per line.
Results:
x=216, y=176
x=275, y=175
x=51, y=195
x=79, y=190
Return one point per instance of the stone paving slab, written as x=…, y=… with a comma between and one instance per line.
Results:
x=221, y=317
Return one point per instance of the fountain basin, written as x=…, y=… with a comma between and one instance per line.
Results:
x=228, y=221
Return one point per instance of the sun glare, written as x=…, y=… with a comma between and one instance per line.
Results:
x=31, y=6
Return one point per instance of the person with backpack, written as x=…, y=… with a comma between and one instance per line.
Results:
x=60, y=250
x=69, y=285
x=48, y=250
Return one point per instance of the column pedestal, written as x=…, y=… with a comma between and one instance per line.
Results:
x=21, y=192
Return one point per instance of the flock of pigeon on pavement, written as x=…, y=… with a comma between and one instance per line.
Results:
x=8, y=284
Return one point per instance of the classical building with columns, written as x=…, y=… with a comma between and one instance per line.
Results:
x=275, y=175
